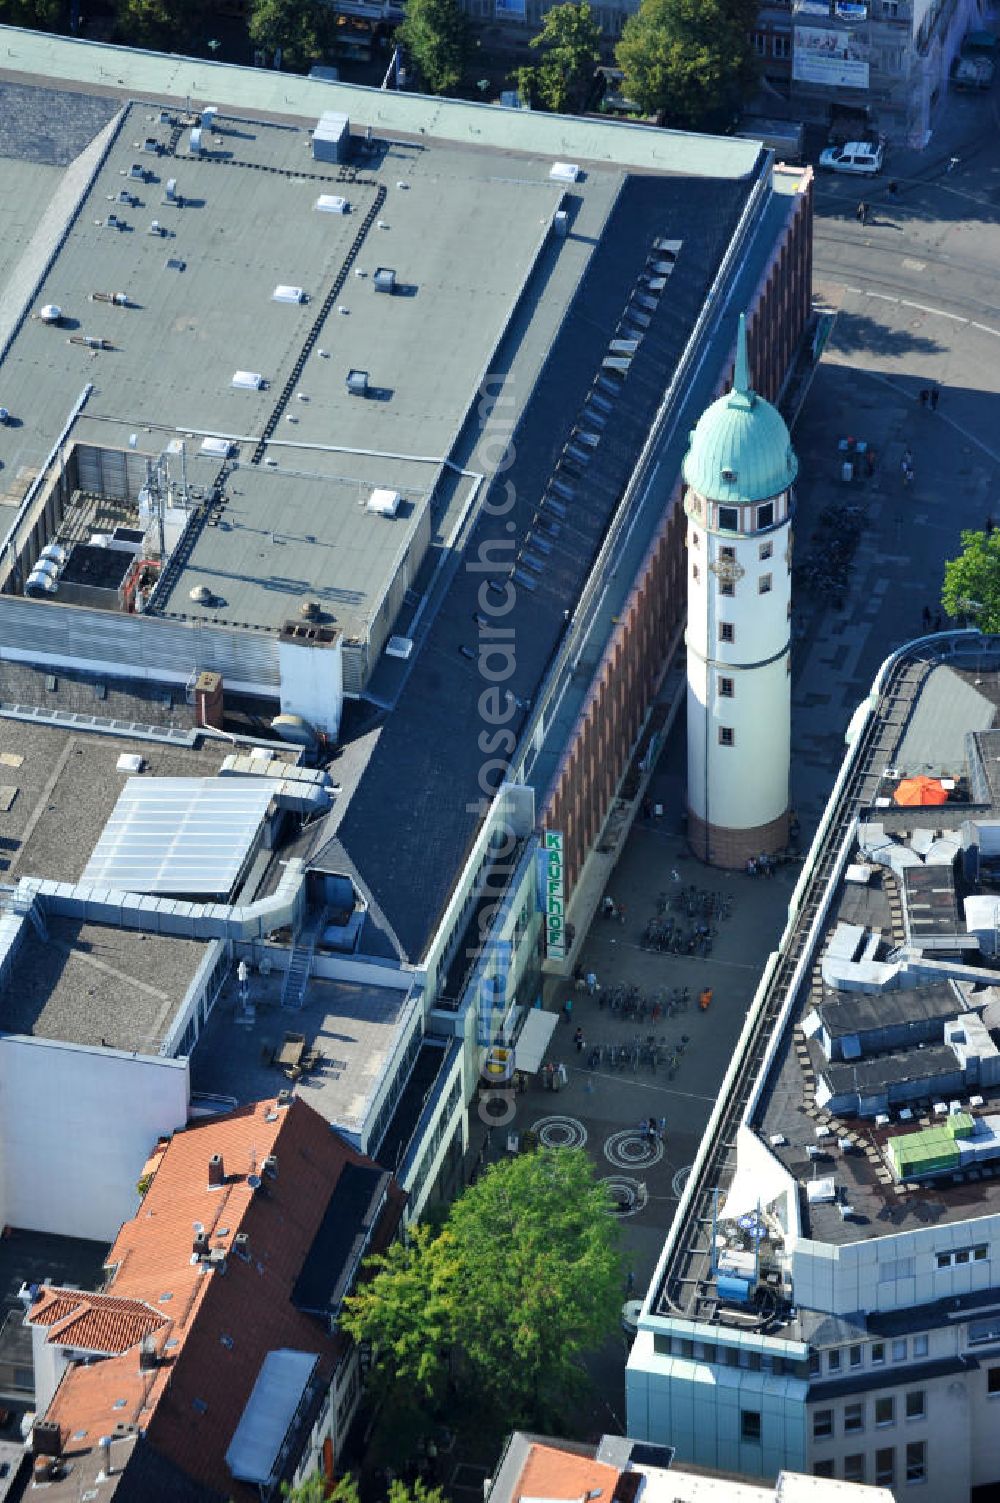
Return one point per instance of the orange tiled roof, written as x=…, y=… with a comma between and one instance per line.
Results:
x=216, y=1327
x=93, y=1322
x=551, y=1473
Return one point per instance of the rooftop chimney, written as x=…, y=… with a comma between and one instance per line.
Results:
x=216, y=1172
x=46, y=1439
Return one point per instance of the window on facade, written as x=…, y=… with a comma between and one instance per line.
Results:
x=823, y=1469
x=759, y=39
x=854, y=1418
x=854, y=1468
x=727, y=688
x=727, y=631
x=963, y=1255
x=885, y=1467
x=916, y=1404
x=695, y=540
x=944, y=1260
x=727, y=736
x=766, y=550
x=920, y=1346
x=750, y=1424
x=781, y=44
x=833, y=1361
x=729, y=518
x=727, y=587
x=764, y=584
x=987, y=1329
x=980, y=1253
x=695, y=575
x=813, y=1364
x=899, y=1350
x=916, y=1461
x=885, y=1411
x=855, y=1356
x=878, y=1352
x=822, y=1423
x=890, y=9
x=727, y=551
x=993, y=1380
x=765, y=515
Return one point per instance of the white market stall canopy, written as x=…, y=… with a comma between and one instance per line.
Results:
x=529, y=1051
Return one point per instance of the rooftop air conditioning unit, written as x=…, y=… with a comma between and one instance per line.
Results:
x=357, y=383
x=384, y=502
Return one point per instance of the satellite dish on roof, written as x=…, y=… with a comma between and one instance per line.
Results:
x=254, y=1181
x=201, y=595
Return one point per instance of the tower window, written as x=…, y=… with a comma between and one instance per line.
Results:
x=729, y=518
x=727, y=551
x=727, y=631
x=765, y=514
x=727, y=688
x=695, y=540
x=766, y=550
x=727, y=587
x=764, y=584
x=727, y=736
x=694, y=573
x=728, y=475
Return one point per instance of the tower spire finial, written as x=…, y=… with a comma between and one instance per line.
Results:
x=741, y=374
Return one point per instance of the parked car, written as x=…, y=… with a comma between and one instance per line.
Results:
x=976, y=65
x=863, y=157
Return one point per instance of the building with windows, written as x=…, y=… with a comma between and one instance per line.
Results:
x=827, y=1299
x=739, y=472
x=264, y=492
x=877, y=65
x=210, y=1366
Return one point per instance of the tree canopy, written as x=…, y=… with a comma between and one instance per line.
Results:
x=435, y=35
x=689, y=61
x=523, y=1278
x=315, y=1490
x=570, y=38
x=41, y=15
x=972, y=581
x=303, y=29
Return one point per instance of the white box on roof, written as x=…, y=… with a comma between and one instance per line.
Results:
x=285, y=294
x=386, y=503
x=216, y=448
x=248, y=380
x=564, y=172
x=332, y=203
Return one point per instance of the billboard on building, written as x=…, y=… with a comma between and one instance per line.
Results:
x=555, y=897
x=830, y=57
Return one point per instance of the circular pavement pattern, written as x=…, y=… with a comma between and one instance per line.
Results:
x=559, y=1132
x=629, y=1196
x=680, y=1180
x=630, y=1150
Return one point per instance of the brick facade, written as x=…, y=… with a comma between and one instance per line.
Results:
x=734, y=848
x=600, y=745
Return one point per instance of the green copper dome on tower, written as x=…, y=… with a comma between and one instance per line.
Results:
x=740, y=449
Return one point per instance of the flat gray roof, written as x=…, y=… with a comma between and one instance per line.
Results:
x=282, y=538
x=113, y=69
x=355, y=1028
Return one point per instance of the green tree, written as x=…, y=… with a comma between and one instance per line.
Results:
x=972, y=581
x=314, y=1490
x=436, y=36
x=41, y=15
x=525, y=1277
x=304, y=30
x=688, y=61
x=157, y=24
x=571, y=43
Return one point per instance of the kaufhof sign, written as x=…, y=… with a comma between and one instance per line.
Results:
x=555, y=897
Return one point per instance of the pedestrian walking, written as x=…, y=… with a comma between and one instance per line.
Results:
x=893, y=189
x=643, y=1127
x=663, y=1126
x=629, y=1282
x=925, y=396
x=869, y=462
x=561, y=1077
x=935, y=394
x=621, y=913
x=861, y=212
x=926, y=617
x=567, y=1009
x=591, y=980
x=578, y=1040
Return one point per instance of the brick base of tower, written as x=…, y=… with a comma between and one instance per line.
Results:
x=717, y=846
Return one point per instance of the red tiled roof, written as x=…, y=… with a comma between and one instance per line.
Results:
x=217, y=1327
x=93, y=1322
x=551, y=1473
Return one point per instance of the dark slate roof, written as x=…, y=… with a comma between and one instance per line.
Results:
x=870, y=1076
x=889, y=1377
x=347, y=1221
x=409, y=825
x=50, y=125
x=846, y=1013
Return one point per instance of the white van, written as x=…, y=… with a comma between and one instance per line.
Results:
x=865, y=157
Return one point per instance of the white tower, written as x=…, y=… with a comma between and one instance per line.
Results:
x=739, y=473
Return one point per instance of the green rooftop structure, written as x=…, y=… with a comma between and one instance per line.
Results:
x=740, y=449
x=932, y=1151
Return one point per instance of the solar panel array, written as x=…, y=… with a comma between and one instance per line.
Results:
x=174, y=836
